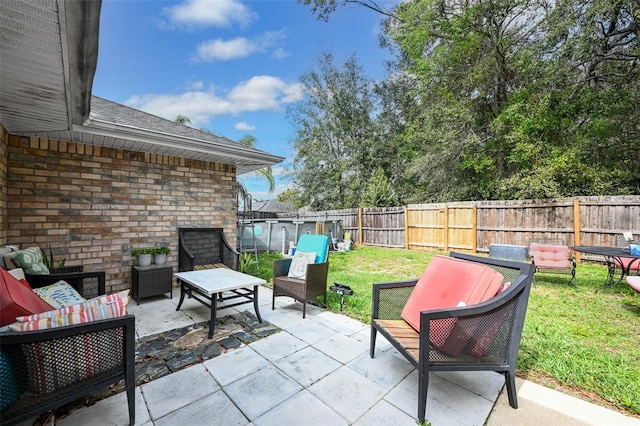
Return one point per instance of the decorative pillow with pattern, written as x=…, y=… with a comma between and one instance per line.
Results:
x=114, y=309
x=59, y=295
x=298, y=267
x=91, y=303
x=30, y=259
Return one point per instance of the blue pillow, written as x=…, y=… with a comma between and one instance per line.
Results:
x=317, y=243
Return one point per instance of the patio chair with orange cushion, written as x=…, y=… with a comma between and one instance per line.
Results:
x=552, y=255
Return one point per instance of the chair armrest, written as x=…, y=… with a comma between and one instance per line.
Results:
x=230, y=256
x=316, y=277
x=389, y=299
x=186, y=261
x=281, y=267
x=88, y=284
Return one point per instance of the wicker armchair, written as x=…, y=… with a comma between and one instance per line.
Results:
x=492, y=328
x=57, y=366
x=315, y=282
x=205, y=248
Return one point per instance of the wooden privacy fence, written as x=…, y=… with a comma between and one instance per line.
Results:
x=473, y=226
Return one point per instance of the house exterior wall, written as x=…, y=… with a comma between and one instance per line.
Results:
x=92, y=205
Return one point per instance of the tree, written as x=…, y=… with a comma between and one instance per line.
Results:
x=266, y=172
x=182, y=119
x=378, y=191
x=510, y=98
x=334, y=131
x=292, y=196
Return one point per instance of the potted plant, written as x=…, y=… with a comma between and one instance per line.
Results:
x=144, y=255
x=160, y=255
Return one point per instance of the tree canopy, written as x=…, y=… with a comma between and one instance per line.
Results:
x=507, y=99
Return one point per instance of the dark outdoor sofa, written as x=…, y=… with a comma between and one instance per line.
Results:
x=495, y=325
x=205, y=248
x=57, y=366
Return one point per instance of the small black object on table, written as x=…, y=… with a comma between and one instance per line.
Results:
x=341, y=289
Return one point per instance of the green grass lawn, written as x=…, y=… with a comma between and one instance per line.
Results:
x=586, y=343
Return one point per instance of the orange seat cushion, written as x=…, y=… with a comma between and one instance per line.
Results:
x=447, y=283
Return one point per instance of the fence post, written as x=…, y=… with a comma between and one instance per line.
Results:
x=360, y=226
x=406, y=228
x=446, y=228
x=576, y=226
x=474, y=225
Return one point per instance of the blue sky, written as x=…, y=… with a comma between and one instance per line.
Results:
x=230, y=66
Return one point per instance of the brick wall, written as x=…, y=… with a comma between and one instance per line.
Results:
x=92, y=205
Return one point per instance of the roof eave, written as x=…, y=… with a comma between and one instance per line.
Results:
x=246, y=159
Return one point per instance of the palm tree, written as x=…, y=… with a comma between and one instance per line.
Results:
x=267, y=172
x=182, y=119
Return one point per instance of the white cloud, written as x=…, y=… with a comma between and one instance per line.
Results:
x=221, y=50
x=196, y=85
x=264, y=92
x=244, y=127
x=192, y=14
x=280, y=53
x=260, y=93
x=240, y=47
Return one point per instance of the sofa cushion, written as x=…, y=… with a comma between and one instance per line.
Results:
x=59, y=295
x=114, y=309
x=550, y=256
x=17, y=300
x=319, y=244
x=299, y=262
x=91, y=303
x=446, y=283
x=30, y=259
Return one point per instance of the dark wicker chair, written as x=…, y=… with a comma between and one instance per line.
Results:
x=205, y=248
x=302, y=290
x=500, y=319
x=54, y=367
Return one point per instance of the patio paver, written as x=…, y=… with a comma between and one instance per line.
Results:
x=315, y=371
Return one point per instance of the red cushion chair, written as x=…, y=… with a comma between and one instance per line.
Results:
x=552, y=256
x=446, y=283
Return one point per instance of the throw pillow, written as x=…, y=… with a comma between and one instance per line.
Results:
x=113, y=309
x=17, y=300
x=30, y=259
x=59, y=295
x=91, y=303
x=298, y=268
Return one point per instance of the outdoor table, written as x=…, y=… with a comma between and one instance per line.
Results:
x=208, y=285
x=611, y=254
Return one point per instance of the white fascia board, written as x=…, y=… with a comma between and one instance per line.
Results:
x=237, y=151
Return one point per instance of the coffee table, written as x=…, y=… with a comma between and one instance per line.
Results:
x=208, y=285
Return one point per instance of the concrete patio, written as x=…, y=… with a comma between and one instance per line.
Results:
x=317, y=371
